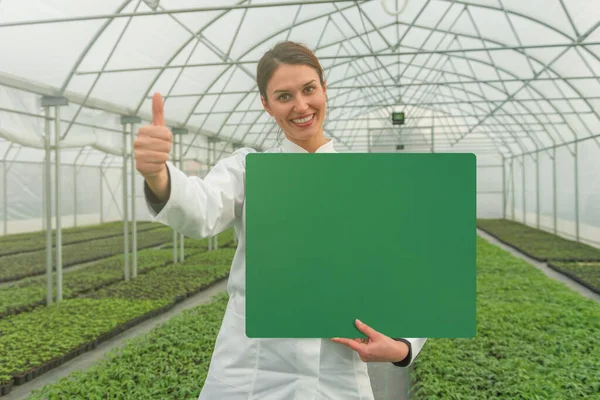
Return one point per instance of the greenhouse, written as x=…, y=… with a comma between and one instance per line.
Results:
x=101, y=299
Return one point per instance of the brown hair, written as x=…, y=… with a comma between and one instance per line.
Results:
x=284, y=53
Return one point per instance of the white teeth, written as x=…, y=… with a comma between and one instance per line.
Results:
x=303, y=120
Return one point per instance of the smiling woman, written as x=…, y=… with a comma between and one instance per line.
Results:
x=293, y=92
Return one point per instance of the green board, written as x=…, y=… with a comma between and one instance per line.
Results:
x=387, y=238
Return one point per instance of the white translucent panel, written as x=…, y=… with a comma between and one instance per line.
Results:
x=533, y=31
x=565, y=183
x=268, y=24
x=434, y=11
x=199, y=53
x=579, y=10
x=43, y=43
x=589, y=188
x=194, y=21
x=531, y=182
x=222, y=34
x=308, y=33
x=493, y=25
x=316, y=11
x=241, y=80
x=571, y=64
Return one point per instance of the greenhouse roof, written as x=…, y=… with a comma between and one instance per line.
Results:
x=502, y=76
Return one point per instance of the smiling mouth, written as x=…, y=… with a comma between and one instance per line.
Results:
x=303, y=120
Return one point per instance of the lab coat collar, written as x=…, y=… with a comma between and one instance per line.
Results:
x=290, y=147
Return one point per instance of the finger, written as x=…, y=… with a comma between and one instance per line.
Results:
x=367, y=330
x=158, y=110
x=151, y=157
x=150, y=143
x=352, y=343
x=153, y=131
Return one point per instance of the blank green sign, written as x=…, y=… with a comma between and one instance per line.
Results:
x=386, y=238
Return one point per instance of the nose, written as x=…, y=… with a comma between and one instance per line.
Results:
x=301, y=105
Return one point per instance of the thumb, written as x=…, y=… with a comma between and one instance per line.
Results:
x=158, y=110
x=367, y=330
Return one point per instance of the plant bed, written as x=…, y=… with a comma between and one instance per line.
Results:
x=535, y=337
x=173, y=282
x=220, y=256
x=6, y=384
x=168, y=363
x=38, y=242
x=20, y=266
x=585, y=273
x=537, y=244
x=33, y=343
x=31, y=292
x=161, y=287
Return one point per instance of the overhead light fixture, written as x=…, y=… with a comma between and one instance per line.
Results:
x=394, y=13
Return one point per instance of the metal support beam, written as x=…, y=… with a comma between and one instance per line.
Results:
x=48, y=208
x=172, y=12
x=537, y=188
x=133, y=213
x=524, y=192
x=576, y=161
x=341, y=57
x=125, y=207
x=178, y=133
x=504, y=187
x=56, y=102
x=125, y=121
x=555, y=190
x=212, y=154
x=418, y=104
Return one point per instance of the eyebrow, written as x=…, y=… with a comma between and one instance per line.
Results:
x=284, y=90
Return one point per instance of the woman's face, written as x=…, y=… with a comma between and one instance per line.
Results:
x=296, y=99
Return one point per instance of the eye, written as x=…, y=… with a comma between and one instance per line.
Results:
x=309, y=89
x=283, y=96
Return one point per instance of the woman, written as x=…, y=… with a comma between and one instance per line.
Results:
x=293, y=92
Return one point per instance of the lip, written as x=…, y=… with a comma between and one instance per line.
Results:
x=304, y=116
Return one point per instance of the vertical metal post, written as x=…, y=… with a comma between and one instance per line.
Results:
x=56, y=102
x=48, y=202
x=174, y=161
x=214, y=161
x=512, y=181
x=74, y=194
x=101, y=194
x=181, y=236
x=503, y=187
x=524, y=194
x=178, y=135
x=5, y=196
x=128, y=119
x=57, y=137
x=125, y=205
x=133, y=216
x=209, y=166
x=555, y=189
x=537, y=187
x=576, y=158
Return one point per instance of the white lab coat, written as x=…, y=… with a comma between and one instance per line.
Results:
x=265, y=369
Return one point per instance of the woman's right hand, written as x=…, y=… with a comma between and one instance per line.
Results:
x=151, y=150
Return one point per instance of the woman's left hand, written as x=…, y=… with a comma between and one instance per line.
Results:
x=376, y=347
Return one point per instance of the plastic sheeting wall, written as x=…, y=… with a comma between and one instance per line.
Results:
x=81, y=203
x=577, y=176
x=24, y=209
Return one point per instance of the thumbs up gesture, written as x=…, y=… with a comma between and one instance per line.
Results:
x=153, y=144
